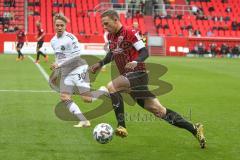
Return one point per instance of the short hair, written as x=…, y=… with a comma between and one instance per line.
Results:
x=60, y=16
x=38, y=22
x=111, y=14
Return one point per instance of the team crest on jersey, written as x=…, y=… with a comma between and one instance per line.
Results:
x=62, y=48
x=120, y=39
x=126, y=45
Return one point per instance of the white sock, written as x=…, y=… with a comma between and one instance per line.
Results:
x=74, y=109
x=101, y=91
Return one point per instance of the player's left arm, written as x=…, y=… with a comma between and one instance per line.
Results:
x=42, y=35
x=143, y=55
x=54, y=65
x=74, y=44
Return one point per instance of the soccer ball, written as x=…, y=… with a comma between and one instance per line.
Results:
x=103, y=133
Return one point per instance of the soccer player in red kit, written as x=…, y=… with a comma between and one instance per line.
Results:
x=135, y=27
x=40, y=40
x=128, y=51
x=20, y=39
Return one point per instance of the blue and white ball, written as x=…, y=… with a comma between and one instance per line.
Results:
x=103, y=133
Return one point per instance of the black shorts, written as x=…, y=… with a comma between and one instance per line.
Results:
x=139, y=87
x=20, y=44
x=39, y=44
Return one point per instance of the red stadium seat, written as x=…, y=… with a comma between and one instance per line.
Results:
x=85, y=21
x=30, y=24
x=80, y=25
x=74, y=21
x=90, y=5
x=87, y=25
x=93, y=24
x=99, y=24
x=49, y=17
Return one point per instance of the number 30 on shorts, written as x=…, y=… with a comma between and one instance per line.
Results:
x=82, y=75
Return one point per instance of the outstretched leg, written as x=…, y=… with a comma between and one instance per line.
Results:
x=38, y=56
x=154, y=106
x=74, y=109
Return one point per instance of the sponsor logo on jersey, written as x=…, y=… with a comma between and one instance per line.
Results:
x=62, y=48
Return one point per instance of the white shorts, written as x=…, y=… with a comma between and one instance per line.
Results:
x=77, y=81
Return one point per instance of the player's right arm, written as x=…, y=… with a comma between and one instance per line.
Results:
x=107, y=59
x=54, y=65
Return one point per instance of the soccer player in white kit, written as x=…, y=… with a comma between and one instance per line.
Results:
x=72, y=69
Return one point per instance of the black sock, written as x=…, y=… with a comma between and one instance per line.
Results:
x=118, y=106
x=42, y=53
x=38, y=54
x=19, y=54
x=177, y=120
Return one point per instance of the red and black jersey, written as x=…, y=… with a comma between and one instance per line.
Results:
x=123, y=47
x=21, y=36
x=40, y=33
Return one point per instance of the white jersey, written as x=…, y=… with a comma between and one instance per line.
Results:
x=65, y=47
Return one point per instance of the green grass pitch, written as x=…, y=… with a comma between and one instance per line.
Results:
x=30, y=130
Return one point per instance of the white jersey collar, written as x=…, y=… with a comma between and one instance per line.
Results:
x=63, y=35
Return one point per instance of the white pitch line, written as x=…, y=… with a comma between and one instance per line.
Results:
x=44, y=73
x=26, y=91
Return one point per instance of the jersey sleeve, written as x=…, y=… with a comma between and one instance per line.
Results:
x=42, y=32
x=75, y=45
x=51, y=42
x=135, y=39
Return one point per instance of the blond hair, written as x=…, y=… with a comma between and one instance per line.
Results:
x=111, y=14
x=60, y=16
